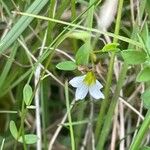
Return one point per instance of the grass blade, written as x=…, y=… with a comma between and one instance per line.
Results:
x=21, y=25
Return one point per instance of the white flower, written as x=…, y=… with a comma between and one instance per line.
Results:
x=87, y=83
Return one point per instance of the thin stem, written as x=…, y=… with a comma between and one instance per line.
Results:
x=51, y=15
x=2, y=144
x=69, y=116
x=21, y=129
x=125, y=39
x=44, y=114
x=107, y=123
x=59, y=127
x=73, y=13
x=73, y=9
x=109, y=75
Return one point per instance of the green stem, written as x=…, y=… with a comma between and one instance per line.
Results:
x=21, y=129
x=107, y=123
x=73, y=9
x=64, y=4
x=79, y=128
x=69, y=116
x=73, y=17
x=55, y=42
x=105, y=103
x=141, y=133
x=51, y=15
x=44, y=112
x=89, y=20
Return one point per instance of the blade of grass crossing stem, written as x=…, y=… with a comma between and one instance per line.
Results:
x=21, y=25
x=69, y=116
x=142, y=131
x=125, y=39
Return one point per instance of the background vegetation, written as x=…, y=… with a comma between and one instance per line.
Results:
x=44, y=44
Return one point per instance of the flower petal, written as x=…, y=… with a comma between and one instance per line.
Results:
x=99, y=84
x=81, y=92
x=77, y=81
x=95, y=92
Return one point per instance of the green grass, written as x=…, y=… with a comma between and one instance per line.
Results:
x=35, y=37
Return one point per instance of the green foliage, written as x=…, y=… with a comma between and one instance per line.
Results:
x=13, y=129
x=144, y=75
x=144, y=38
x=21, y=25
x=27, y=94
x=110, y=47
x=29, y=139
x=145, y=148
x=82, y=55
x=146, y=98
x=134, y=57
x=7, y=66
x=148, y=44
x=32, y=37
x=66, y=65
x=148, y=7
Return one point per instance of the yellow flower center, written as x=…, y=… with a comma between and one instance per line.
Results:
x=90, y=78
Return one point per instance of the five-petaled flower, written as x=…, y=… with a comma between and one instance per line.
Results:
x=87, y=83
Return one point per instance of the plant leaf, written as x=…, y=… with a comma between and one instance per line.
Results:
x=146, y=98
x=66, y=65
x=13, y=129
x=27, y=94
x=144, y=75
x=29, y=139
x=82, y=55
x=110, y=47
x=144, y=38
x=134, y=57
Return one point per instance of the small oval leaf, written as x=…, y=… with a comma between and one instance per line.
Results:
x=13, y=129
x=82, y=55
x=27, y=94
x=146, y=98
x=144, y=75
x=110, y=47
x=29, y=139
x=66, y=65
x=134, y=57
